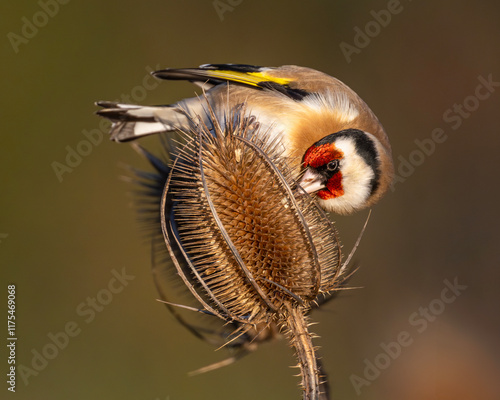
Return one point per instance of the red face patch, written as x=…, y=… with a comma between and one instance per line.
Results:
x=334, y=186
x=316, y=156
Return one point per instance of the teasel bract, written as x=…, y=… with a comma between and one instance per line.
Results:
x=253, y=248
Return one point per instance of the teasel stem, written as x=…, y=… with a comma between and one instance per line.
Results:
x=297, y=324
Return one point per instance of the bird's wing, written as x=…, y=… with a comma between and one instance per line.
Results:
x=264, y=78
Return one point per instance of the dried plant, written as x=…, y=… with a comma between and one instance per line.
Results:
x=250, y=245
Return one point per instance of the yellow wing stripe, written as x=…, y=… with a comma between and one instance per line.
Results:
x=249, y=78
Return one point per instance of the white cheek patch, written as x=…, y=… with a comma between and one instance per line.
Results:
x=356, y=180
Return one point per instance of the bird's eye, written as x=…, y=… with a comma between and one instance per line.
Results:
x=333, y=165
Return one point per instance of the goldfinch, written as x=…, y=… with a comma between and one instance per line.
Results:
x=323, y=125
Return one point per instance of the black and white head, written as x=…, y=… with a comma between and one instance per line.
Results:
x=347, y=170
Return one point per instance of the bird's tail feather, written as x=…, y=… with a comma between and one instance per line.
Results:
x=132, y=121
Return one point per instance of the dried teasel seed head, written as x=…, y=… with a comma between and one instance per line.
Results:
x=245, y=238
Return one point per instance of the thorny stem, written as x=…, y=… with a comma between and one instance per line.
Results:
x=300, y=338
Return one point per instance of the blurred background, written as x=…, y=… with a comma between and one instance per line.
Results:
x=425, y=322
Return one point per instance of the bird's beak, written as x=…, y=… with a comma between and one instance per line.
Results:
x=311, y=182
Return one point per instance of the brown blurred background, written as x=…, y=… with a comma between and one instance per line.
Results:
x=63, y=236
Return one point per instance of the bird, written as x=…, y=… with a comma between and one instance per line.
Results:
x=326, y=130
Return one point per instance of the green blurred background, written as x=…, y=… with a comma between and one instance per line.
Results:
x=62, y=238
